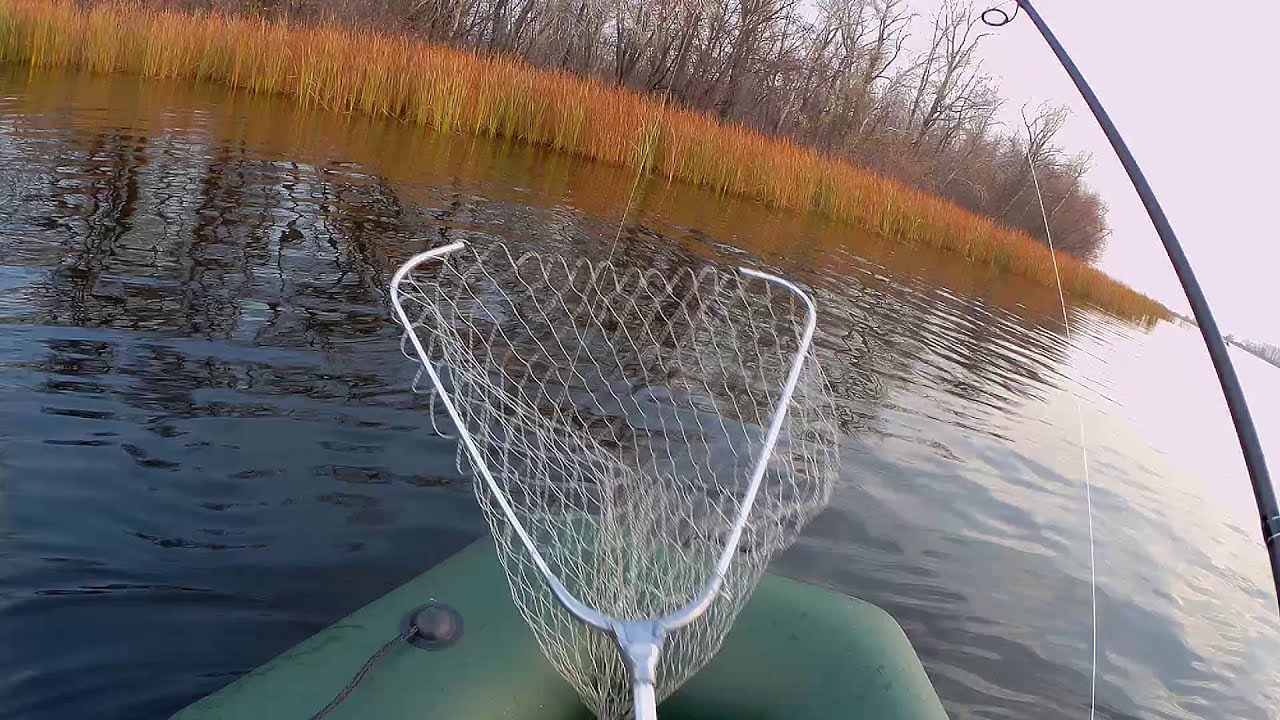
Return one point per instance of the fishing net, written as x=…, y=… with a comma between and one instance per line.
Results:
x=615, y=419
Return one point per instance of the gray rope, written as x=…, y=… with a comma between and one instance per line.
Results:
x=364, y=669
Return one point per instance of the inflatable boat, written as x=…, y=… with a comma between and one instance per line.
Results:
x=797, y=651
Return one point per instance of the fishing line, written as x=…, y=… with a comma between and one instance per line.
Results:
x=1264, y=493
x=641, y=171
x=1084, y=452
x=625, y=209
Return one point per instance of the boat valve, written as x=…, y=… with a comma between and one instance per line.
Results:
x=433, y=626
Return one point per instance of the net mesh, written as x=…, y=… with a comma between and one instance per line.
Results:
x=621, y=412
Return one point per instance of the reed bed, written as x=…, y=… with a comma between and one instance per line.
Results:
x=455, y=91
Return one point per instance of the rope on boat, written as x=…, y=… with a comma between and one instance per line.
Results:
x=364, y=670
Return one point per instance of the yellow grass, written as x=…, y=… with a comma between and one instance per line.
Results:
x=456, y=91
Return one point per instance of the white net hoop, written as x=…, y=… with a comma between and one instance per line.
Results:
x=620, y=414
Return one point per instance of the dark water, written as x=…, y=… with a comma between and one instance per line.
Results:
x=209, y=450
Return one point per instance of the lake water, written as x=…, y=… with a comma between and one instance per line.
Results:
x=209, y=449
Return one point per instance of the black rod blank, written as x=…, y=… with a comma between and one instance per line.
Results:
x=1255, y=463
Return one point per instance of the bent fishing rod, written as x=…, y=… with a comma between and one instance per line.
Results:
x=1255, y=463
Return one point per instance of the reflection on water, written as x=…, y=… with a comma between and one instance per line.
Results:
x=210, y=450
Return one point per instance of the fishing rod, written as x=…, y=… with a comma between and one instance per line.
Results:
x=1255, y=463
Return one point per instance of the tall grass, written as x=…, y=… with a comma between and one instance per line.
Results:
x=352, y=71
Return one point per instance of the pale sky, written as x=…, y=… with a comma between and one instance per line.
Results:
x=1193, y=87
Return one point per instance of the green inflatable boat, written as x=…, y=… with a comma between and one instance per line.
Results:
x=796, y=651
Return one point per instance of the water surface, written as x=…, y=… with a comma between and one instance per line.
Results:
x=209, y=449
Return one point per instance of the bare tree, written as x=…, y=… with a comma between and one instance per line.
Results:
x=1037, y=151
x=834, y=74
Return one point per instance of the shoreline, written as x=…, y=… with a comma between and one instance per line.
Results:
x=454, y=91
